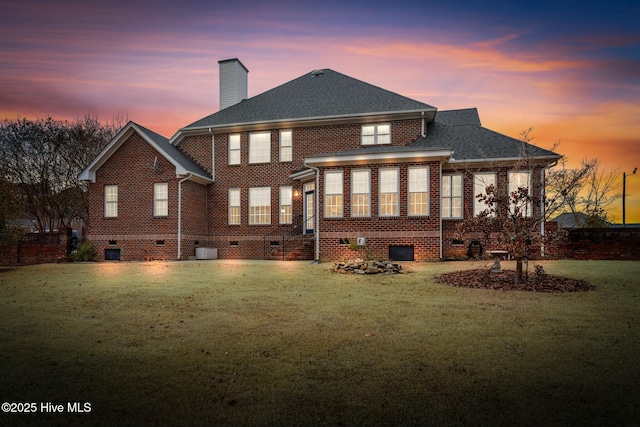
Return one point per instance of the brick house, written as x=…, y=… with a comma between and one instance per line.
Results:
x=299, y=172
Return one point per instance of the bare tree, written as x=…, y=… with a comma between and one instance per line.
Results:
x=43, y=158
x=586, y=192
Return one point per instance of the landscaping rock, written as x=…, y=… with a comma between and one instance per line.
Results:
x=359, y=266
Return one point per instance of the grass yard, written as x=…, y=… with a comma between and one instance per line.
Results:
x=254, y=343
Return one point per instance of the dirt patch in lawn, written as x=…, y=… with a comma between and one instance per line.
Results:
x=506, y=281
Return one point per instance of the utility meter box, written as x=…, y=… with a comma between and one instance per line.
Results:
x=361, y=241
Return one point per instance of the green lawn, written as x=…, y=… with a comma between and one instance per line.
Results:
x=291, y=343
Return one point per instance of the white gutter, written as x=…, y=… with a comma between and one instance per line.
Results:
x=189, y=176
x=423, y=133
x=300, y=121
x=213, y=155
x=316, y=225
x=383, y=157
x=502, y=159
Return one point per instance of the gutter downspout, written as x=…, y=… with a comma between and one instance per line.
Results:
x=440, y=207
x=423, y=131
x=189, y=176
x=317, y=212
x=213, y=155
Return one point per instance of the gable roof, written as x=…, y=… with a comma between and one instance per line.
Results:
x=184, y=165
x=319, y=95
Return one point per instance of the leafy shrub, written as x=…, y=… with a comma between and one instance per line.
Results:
x=85, y=252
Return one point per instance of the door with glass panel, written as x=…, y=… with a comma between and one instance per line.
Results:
x=309, y=211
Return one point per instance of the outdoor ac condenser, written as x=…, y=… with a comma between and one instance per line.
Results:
x=206, y=253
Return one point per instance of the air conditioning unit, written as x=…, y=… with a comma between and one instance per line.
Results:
x=206, y=253
x=361, y=241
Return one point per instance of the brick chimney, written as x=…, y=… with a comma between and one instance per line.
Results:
x=233, y=82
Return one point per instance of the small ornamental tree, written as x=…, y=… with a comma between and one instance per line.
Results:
x=514, y=220
x=508, y=223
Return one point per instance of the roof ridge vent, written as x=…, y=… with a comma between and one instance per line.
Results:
x=317, y=73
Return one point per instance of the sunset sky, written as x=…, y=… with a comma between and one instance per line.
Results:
x=569, y=69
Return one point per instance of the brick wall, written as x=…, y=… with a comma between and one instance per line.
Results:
x=138, y=235
x=603, y=243
x=135, y=232
x=382, y=232
x=247, y=241
x=37, y=248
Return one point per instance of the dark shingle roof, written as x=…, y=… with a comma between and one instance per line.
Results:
x=460, y=131
x=325, y=94
x=173, y=152
x=467, y=116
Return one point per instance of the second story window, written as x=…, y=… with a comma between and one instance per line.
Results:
x=286, y=146
x=260, y=147
x=234, y=149
x=376, y=134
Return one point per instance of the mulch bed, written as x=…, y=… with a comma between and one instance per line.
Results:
x=506, y=281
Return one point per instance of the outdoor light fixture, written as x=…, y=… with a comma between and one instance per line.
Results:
x=624, y=195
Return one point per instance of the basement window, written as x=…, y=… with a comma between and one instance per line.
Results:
x=344, y=241
x=113, y=242
x=275, y=243
x=112, y=254
x=234, y=243
x=401, y=253
x=159, y=242
x=457, y=242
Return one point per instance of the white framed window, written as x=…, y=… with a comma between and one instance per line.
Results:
x=260, y=147
x=110, y=201
x=360, y=193
x=234, y=206
x=389, y=187
x=418, y=189
x=259, y=205
x=286, y=145
x=160, y=199
x=376, y=134
x=451, y=206
x=480, y=183
x=333, y=189
x=521, y=180
x=234, y=149
x=286, y=198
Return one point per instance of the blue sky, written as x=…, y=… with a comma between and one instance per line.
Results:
x=569, y=69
